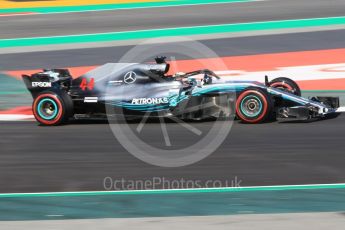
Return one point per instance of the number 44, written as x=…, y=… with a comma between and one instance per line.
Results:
x=87, y=85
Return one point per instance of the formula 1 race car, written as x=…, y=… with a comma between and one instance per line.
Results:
x=135, y=90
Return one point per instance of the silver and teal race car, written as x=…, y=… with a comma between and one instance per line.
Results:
x=135, y=90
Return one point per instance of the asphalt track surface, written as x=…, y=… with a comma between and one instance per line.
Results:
x=78, y=157
x=222, y=47
x=170, y=17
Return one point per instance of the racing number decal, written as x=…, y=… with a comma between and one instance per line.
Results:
x=85, y=85
x=91, y=84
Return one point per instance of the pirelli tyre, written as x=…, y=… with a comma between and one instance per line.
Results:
x=52, y=108
x=286, y=84
x=254, y=105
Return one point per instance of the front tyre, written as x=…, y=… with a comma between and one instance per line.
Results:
x=253, y=106
x=50, y=108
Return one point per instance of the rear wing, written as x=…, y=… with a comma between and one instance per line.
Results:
x=55, y=79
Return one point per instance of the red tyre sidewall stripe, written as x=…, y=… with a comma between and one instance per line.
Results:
x=58, y=116
x=238, y=104
x=282, y=84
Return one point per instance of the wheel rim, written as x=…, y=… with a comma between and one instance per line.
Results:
x=264, y=106
x=47, y=109
x=251, y=106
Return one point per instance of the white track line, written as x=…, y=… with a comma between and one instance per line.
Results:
x=15, y=117
x=296, y=73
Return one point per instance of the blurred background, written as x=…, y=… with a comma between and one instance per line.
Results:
x=299, y=39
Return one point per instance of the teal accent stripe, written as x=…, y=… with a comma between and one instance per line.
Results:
x=12, y=92
x=119, y=6
x=168, y=32
x=173, y=204
x=177, y=191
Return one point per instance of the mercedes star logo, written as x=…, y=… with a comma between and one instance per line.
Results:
x=130, y=77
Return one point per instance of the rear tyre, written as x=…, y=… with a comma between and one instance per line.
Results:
x=286, y=84
x=254, y=105
x=52, y=108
